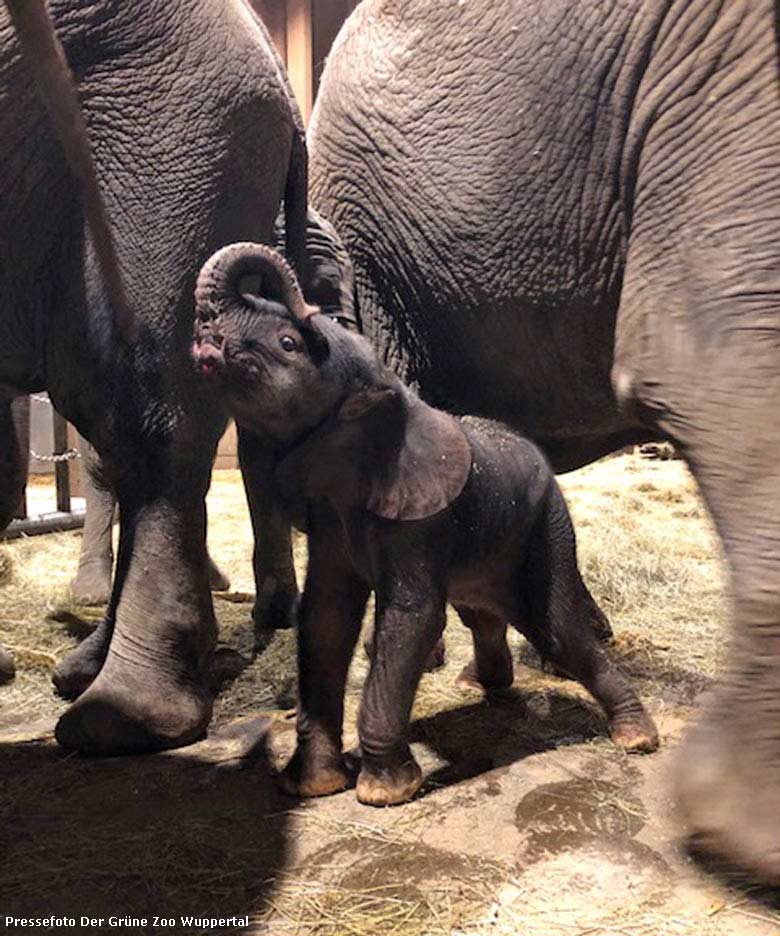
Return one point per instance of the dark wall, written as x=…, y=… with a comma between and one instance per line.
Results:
x=274, y=15
x=327, y=17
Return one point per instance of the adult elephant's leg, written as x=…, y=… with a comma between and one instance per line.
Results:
x=728, y=770
x=78, y=670
x=151, y=692
x=218, y=581
x=702, y=361
x=92, y=584
x=276, y=601
x=14, y=448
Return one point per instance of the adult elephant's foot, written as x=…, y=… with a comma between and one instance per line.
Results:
x=437, y=657
x=277, y=610
x=636, y=734
x=600, y=624
x=389, y=785
x=728, y=796
x=92, y=584
x=131, y=710
x=315, y=774
x=79, y=669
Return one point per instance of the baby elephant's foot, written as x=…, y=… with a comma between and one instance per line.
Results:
x=636, y=734
x=437, y=657
x=497, y=685
x=218, y=581
x=467, y=679
x=308, y=774
x=388, y=786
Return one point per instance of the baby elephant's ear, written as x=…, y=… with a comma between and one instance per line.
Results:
x=430, y=471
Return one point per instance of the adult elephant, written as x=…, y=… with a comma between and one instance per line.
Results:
x=196, y=139
x=330, y=287
x=567, y=216
x=92, y=583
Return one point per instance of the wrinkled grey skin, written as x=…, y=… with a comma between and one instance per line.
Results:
x=331, y=288
x=15, y=433
x=92, y=583
x=181, y=173
x=567, y=216
x=427, y=509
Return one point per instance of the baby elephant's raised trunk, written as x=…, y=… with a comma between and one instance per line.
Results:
x=220, y=280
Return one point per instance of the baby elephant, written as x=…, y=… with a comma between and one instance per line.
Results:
x=406, y=500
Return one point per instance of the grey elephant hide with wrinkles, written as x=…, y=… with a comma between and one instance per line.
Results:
x=180, y=174
x=427, y=509
x=566, y=216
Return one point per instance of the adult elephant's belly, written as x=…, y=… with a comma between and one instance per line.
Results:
x=479, y=208
x=529, y=365
x=453, y=309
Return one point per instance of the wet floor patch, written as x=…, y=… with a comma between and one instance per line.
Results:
x=562, y=816
x=579, y=843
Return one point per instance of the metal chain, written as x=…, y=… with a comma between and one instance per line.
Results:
x=67, y=455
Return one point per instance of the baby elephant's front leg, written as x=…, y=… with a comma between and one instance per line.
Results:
x=332, y=608
x=407, y=629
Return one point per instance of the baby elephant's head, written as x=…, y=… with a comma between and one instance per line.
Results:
x=279, y=367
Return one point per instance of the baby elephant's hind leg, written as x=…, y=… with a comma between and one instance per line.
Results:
x=598, y=620
x=560, y=625
x=491, y=668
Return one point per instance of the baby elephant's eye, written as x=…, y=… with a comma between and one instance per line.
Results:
x=288, y=343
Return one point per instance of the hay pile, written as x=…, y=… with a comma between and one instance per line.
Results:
x=646, y=549
x=222, y=839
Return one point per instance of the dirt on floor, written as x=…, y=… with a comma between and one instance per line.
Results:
x=529, y=821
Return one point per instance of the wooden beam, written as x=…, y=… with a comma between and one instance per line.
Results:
x=274, y=15
x=299, y=53
x=61, y=469
x=20, y=416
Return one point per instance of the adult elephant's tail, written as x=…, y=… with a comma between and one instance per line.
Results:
x=296, y=200
x=54, y=82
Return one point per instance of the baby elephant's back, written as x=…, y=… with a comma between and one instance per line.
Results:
x=509, y=483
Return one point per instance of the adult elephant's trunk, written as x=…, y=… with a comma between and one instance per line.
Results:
x=54, y=83
x=220, y=281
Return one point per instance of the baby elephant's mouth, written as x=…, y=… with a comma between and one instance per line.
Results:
x=208, y=356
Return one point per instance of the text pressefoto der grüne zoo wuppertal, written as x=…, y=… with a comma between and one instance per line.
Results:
x=58, y=923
